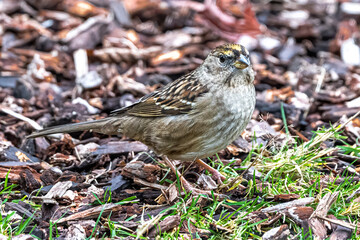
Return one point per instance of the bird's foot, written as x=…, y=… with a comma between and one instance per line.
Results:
x=216, y=175
x=196, y=191
x=188, y=187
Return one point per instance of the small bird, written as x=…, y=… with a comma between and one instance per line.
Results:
x=191, y=118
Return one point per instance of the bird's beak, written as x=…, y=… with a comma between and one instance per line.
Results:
x=242, y=63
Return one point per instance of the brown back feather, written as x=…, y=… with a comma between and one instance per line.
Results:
x=176, y=98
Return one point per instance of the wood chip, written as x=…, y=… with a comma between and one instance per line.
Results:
x=317, y=226
x=94, y=212
x=285, y=206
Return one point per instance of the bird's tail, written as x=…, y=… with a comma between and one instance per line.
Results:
x=96, y=125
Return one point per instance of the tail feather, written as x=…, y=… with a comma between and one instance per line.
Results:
x=74, y=127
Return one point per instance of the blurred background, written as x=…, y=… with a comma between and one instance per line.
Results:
x=67, y=60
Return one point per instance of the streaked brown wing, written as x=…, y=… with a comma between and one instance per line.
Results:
x=176, y=98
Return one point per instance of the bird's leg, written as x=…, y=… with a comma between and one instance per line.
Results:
x=183, y=181
x=187, y=186
x=215, y=173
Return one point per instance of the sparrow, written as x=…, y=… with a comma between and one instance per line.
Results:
x=191, y=118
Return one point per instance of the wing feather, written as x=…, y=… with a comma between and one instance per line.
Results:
x=178, y=97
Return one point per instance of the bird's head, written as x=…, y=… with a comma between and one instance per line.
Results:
x=228, y=64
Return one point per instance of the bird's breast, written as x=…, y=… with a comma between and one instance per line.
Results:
x=235, y=109
x=225, y=118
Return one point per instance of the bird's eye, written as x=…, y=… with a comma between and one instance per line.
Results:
x=222, y=59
